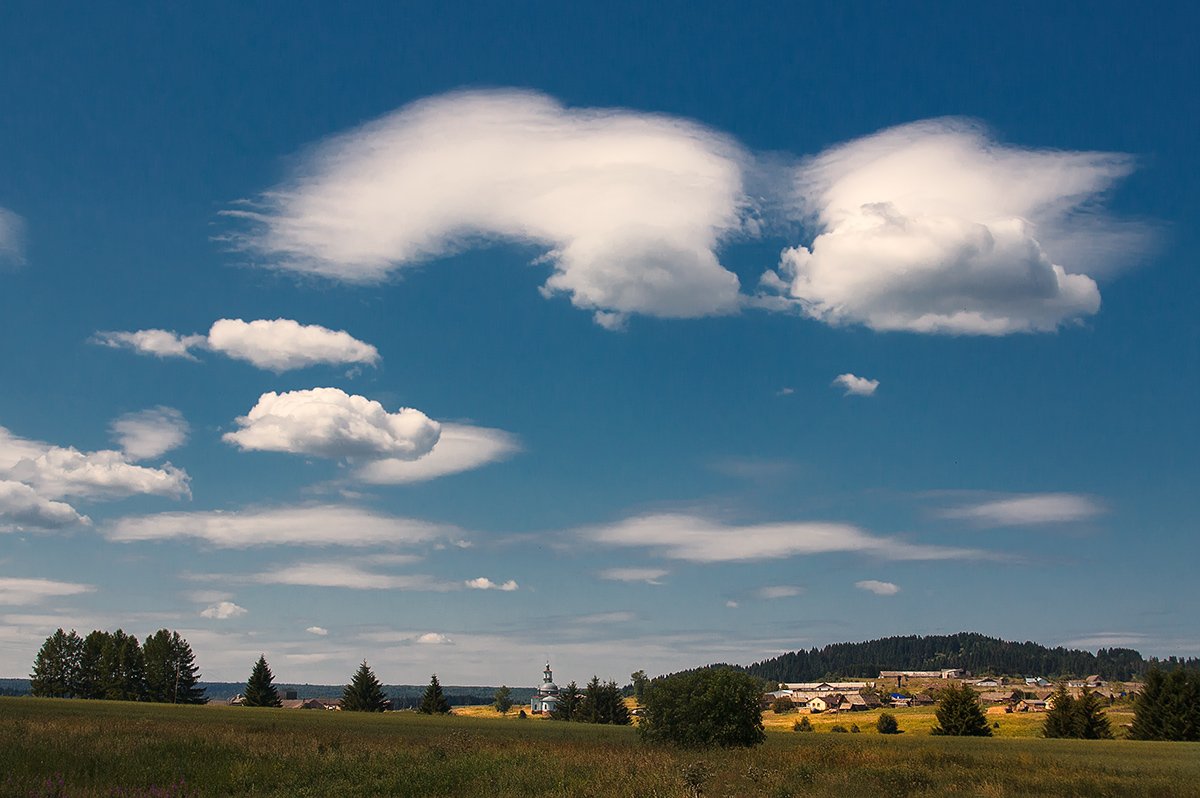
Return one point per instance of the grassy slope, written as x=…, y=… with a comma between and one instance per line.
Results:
x=99, y=747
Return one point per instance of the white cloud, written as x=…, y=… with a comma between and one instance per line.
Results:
x=785, y=391
x=629, y=206
x=347, y=574
x=877, y=587
x=160, y=343
x=273, y=344
x=313, y=525
x=856, y=386
x=607, y=617
x=650, y=576
x=319, y=631
x=688, y=537
x=57, y=472
x=778, y=592
x=328, y=422
x=16, y=591
x=283, y=344
x=1027, y=510
x=12, y=238
x=460, y=447
x=934, y=228
x=149, y=434
x=22, y=508
x=223, y=611
x=434, y=639
x=483, y=583
x=731, y=604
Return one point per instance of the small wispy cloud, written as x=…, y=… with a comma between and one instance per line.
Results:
x=773, y=592
x=483, y=583
x=607, y=617
x=856, y=386
x=650, y=576
x=877, y=587
x=319, y=631
x=1028, y=510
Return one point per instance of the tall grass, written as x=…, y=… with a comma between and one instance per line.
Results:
x=58, y=747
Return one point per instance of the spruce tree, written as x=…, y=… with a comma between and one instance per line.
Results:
x=502, y=700
x=434, y=702
x=1168, y=708
x=569, y=701
x=260, y=687
x=1060, y=718
x=1090, y=721
x=122, y=668
x=90, y=678
x=171, y=670
x=56, y=667
x=960, y=715
x=364, y=693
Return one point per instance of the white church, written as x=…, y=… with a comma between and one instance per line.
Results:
x=545, y=700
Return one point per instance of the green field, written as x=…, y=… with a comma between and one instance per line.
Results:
x=58, y=747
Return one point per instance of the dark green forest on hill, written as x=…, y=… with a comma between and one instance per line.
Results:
x=971, y=651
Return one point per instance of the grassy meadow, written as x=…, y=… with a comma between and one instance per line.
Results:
x=84, y=748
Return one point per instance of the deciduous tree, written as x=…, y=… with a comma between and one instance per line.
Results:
x=56, y=667
x=502, y=700
x=711, y=707
x=171, y=673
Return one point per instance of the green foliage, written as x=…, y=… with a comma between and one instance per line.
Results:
x=434, y=702
x=123, y=668
x=887, y=724
x=714, y=707
x=803, y=725
x=1168, y=708
x=171, y=673
x=640, y=681
x=56, y=667
x=837, y=729
x=90, y=680
x=260, y=687
x=601, y=703
x=569, y=701
x=364, y=693
x=782, y=705
x=1076, y=718
x=960, y=715
x=502, y=701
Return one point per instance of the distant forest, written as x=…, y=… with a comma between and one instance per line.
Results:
x=968, y=650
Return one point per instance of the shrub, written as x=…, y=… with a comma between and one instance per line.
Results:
x=960, y=715
x=887, y=724
x=854, y=728
x=803, y=725
x=838, y=729
x=717, y=706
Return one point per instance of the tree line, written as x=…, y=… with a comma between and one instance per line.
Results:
x=364, y=692
x=597, y=703
x=113, y=666
x=967, y=650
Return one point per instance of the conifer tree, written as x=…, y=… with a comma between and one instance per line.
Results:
x=90, y=679
x=502, y=700
x=171, y=674
x=434, y=702
x=569, y=700
x=1090, y=721
x=960, y=715
x=364, y=693
x=260, y=687
x=56, y=667
x=1060, y=718
x=1168, y=708
x=122, y=668
x=886, y=724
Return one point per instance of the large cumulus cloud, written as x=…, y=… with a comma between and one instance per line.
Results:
x=935, y=228
x=629, y=206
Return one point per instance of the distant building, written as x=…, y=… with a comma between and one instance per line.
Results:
x=545, y=700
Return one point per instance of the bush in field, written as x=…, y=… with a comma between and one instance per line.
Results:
x=711, y=707
x=838, y=729
x=1077, y=718
x=887, y=724
x=960, y=715
x=434, y=701
x=782, y=705
x=502, y=700
x=260, y=687
x=364, y=693
x=803, y=725
x=1168, y=708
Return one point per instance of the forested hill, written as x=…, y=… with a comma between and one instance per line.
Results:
x=969, y=650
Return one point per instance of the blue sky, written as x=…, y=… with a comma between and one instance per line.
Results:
x=623, y=337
